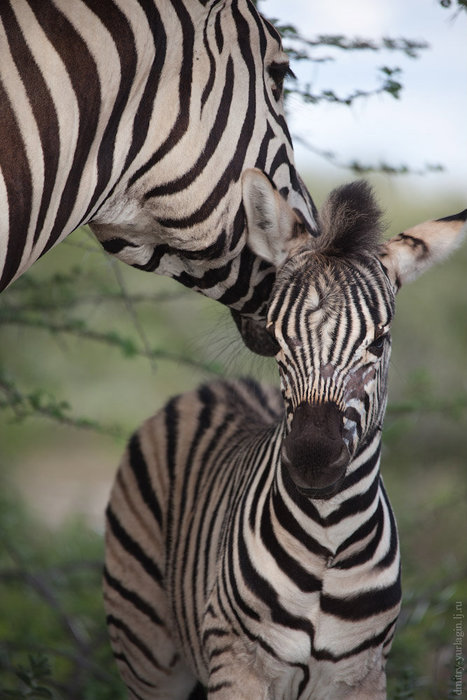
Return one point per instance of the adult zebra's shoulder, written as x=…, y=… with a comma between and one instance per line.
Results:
x=250, y=542
x=139, y=117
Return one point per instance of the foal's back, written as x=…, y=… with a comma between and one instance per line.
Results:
x=186, y=457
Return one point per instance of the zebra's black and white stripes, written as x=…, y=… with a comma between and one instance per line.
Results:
x=139, y=117
x=251, y=545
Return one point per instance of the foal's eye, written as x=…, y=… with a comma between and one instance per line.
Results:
x=376, y=347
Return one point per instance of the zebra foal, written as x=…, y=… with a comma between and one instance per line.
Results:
x=250, y=543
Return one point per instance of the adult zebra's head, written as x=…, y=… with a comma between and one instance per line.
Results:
x=329, y=318
x=211, y=107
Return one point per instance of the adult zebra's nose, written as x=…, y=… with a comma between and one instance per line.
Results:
x=314, y=452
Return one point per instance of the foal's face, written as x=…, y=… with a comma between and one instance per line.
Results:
x=330, y=318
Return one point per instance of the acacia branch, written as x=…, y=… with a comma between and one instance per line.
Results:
x=126, y=345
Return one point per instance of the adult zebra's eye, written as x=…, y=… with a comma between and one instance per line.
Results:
x=278, y=71
x=376, y=347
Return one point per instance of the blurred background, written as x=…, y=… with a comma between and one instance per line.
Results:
x=90, y=348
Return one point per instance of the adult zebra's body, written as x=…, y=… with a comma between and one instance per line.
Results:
x=254, y=548
x=139, y=117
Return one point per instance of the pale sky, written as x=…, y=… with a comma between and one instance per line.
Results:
x=429, y=122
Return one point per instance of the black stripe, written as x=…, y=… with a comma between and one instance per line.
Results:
x=260, y=457
x=121, y=658
x=288, y=521
x=216, y=509
x=364, y=469
x=354, y=504
x=135, y=640
x=416, y=243
x=271, y=109
x=219, y=633
x=181, y=542
x=393, y=549
x=364, y=605
x=259, y=395
x=155, y=260
x=261, y=293
x=218, y=33
x=370, y=643
x=117, y=25
x=208, y=280
x=212, y=64
x=210, y=277
x=303, y=579
x=116, y=245
x=263, y=150
x=376, y=523
x=171, y=420
x=132, y=598
x=145, y=107
x=266, y=593
x=215, y=688
x=132, y=547
x=18, y=182
x=242, y=285
x=212, y=143
x=74, y=52
x=140, y=470
x=234, y=168
x=281, y=158
x=342, y=350
x=462, y=216
x=42, y=107
x=181, y=123
x=238, y=227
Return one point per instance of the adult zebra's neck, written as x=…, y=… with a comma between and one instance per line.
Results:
x=69, y=95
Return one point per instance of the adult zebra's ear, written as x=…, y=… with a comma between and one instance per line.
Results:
x=409, y=254
x=275, y=230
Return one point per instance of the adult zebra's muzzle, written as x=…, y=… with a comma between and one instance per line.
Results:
x=314, y=452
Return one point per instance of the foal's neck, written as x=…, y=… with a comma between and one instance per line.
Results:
x=330, y=521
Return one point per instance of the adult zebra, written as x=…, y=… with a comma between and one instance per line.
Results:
x=138, y=117
x=255, y=549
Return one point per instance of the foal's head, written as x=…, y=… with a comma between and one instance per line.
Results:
x=329, y=317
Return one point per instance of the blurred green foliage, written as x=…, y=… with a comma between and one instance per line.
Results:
x=53, y=642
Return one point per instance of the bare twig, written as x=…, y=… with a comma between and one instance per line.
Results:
x=130, y=307
x=126, y=345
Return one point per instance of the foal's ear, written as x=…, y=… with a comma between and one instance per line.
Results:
x=275, y=232
x=409, y=254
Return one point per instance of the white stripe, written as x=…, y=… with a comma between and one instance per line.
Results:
x=4, y=220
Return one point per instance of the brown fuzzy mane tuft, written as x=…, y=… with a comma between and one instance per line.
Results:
x=350, y=221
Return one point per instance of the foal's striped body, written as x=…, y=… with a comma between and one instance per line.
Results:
x=251, y=545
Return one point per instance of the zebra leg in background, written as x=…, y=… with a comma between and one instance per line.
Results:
x=134, y=594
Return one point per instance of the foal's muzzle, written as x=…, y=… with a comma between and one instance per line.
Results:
x=314, y=452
